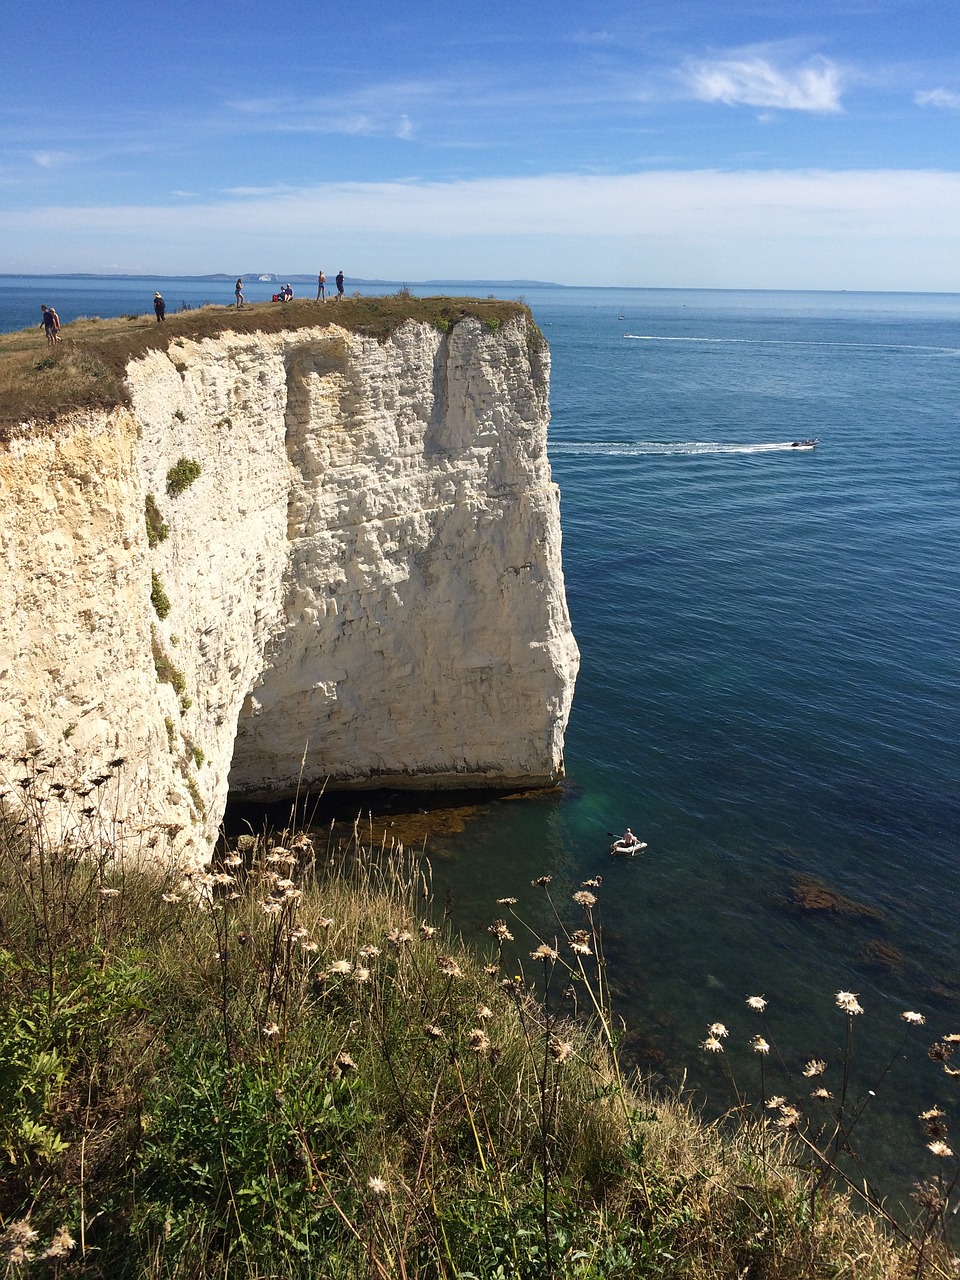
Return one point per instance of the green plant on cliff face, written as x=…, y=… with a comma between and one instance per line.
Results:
x=182, y=475
x=158, y=596
x=167, y=673
x=157, y=530
x=492, y=323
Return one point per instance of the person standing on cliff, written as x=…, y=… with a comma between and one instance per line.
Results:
x=339, y=285
x=239, y=291
x=51, y=324
x=160, y=307
x=321, y=287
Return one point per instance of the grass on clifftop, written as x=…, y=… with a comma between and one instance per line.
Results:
x=86, y=369
x=288, y=1068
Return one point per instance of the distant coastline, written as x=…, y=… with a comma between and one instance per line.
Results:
x=219, y=277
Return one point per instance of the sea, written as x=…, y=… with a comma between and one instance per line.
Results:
x=769, y=692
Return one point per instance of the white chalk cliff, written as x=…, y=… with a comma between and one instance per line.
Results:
x=364, y=580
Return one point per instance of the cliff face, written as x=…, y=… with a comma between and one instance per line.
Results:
x=363, y=584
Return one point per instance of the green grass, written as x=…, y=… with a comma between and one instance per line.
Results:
x=87, y=369
x=284, y=1068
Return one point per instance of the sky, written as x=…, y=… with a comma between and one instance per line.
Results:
x=782, y=144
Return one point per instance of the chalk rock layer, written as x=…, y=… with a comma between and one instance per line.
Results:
x=361, y=584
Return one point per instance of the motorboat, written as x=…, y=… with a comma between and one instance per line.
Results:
x=805, y=444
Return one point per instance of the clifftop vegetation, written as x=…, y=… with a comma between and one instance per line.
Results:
x=286, y=1067
x=86, y=369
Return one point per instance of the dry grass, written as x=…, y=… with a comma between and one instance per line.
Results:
x=86, y=369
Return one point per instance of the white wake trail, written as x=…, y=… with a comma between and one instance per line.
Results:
x=638, y=447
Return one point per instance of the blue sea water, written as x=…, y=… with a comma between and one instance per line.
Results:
x=770, y=683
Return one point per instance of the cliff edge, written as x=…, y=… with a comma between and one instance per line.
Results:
x=297, y=556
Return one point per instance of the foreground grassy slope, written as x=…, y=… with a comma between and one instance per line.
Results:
x=86, y=369
x=287, y=1069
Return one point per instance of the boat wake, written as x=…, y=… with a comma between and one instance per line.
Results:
x=615, y=448
x=790, y=342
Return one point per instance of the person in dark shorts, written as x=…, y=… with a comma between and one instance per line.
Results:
x=339, y=285
x=321, y=287
x=51, y=324
x=160, y=307
x=238, y=291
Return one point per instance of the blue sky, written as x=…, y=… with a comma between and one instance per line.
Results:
x=750, y=144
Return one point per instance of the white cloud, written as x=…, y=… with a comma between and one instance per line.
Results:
x=750, y=229
x=754, y=81
x=944, y=98
x=50, y=159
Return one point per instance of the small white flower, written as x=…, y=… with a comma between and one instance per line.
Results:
x=756, y=1002
x=915, y=1019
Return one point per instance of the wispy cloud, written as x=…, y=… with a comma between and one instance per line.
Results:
x=946, y=99
x=754, y=81
x=51, y=159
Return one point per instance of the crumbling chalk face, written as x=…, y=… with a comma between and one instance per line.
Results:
x=425, y=639
x=361, y=582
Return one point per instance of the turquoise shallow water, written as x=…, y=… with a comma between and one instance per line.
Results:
x=770, y=684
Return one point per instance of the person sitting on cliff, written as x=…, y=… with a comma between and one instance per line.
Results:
x=286, y=293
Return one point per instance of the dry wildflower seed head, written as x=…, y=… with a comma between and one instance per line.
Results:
x=170, y=897
x=292, y=895
x=789, y=1118
x=934, y=1113
x=324, y=922
x=361, y=975
x=940, y=1052
x=345, y=1062
x=717, y=1029
x=224, y=877
x=848, y=1002
x=776, y=1102
x=953, y=1038
x=109, y=893
x=307, y=945
x=377, y=1186
x=491, y=970
x=500, y=931
x=543, y=952
x=821, y=1093
x=815, y=1067
x=585, y=899
x=60, y=1246
x=206, y=879
x=756, y=1002
x=285, y=884
x=340, y=966
x=506, y=902
x=712, y=1045
x=398, y=938
x=233, y=860
x=580, y=949
x=449, y=966
x=271, y=1029
x=939, y=1148
x=929, y=1197
x=433, y=1031
x=295, y=934
x=595, y=883
x=484, y=1012
x=271, y=908
x=560, y=1050
x=950, y=1071
x=427, y=931
x=19, y=1233
x=915, y=1019
x=541, y=880
x=369, y=951
x=477, y=1040
x=759, y=1045
x=935, y=1128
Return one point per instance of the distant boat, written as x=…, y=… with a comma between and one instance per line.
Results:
x=264, y=277
x=805, y=444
